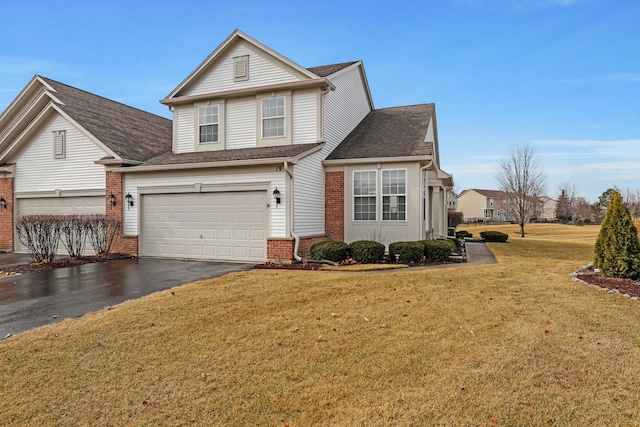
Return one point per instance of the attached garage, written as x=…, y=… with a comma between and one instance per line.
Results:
x=230, y=226
x=58, y=206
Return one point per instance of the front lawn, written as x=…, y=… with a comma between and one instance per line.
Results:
x=513, y=343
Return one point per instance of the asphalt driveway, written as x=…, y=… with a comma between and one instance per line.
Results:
x=35, y=299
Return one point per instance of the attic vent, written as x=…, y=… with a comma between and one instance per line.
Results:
x=241, y=68
x=59, y=142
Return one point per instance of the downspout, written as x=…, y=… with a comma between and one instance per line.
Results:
x=425, y=194
x=296, y=238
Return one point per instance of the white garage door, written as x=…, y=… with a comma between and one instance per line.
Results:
x=59, y=206
x=222, y=226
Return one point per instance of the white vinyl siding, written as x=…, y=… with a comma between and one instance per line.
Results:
x=241, y=123
x=263, y=70
x=276, y=226
x=308, y=189
x=37, y=170
x=344, y=107
x=305, y=117
x=184, y=116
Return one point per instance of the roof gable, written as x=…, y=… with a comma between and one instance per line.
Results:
x=215, y=72
x=124, y=133
x=130, y=133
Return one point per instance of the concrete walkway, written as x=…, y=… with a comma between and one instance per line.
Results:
x=478, y=254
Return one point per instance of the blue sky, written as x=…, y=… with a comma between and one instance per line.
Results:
x=562, y=75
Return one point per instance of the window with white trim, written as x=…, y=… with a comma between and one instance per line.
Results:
x=273, y=117
x=208, y=124
x=364, y=195
x=394, y=195
x=59, y=144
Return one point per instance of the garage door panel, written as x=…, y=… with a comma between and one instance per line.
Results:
x=229, y=226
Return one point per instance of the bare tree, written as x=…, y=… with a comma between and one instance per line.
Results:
x=521, y=179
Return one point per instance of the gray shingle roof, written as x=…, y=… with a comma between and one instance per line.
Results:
x=389, y=132
x=325, y=70
x=279, y=152
x=129, y=132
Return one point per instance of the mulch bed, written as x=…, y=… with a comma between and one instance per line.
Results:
x=62, y=262
x=589, y=275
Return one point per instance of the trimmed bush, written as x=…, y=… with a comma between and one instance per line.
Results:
x=463, y=233
x=408, y=251
x=438, y=250
x=617, y=249
x=331, y=250
x=40, y=234
x=494, y=236
x=366, y=251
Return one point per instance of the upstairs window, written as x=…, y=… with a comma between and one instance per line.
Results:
x=273, y=117
x=394, y=195
x=59, y=144
x=208, y=124
x=364, y=195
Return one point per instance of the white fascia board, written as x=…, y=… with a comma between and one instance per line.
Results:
x=205, y=165
x=346, y=162
x=248, y=91
x=236, y=35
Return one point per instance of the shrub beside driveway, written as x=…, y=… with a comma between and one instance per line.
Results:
x=513, y=343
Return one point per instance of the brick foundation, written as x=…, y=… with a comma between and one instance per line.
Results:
x=123, y=244
x=334, y=205
x=280, y=250
x=6, y=215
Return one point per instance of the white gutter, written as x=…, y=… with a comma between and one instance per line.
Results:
x=425, y=194
x=296, y=238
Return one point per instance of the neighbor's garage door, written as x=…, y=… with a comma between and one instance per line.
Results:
x=222, y=226
x=59, y=206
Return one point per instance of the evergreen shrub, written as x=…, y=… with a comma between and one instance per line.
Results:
x=366, y=251
x=408, y=251
x=331, y=250
x=438, y=250
x=617, y=249
x=494, y=236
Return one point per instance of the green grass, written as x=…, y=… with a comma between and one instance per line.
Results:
x=513, y=343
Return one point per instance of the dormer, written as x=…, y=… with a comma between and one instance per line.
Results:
x=246, y=95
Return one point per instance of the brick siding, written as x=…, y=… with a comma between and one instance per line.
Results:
x=126, y=245
x=6, y=215
x=334, y=205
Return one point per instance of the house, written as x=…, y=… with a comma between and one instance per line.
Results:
x=262, y=159
x=483, y=205
x=545, y=209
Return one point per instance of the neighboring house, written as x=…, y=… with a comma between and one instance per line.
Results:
x=483, y=205
x=452, y=201
x=545, y=209
x=263, y=158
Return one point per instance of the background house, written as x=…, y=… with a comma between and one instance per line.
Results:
x=263, y=158
x=479, y=205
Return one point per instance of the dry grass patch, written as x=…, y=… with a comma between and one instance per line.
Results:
x=363, y=267
x=514, y=343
